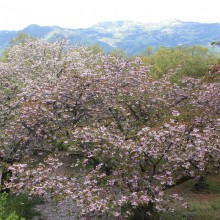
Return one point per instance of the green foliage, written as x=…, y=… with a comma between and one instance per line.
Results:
x=4, y=213
x=118, y=52
x=3, y=199
x=148, y=51
x=96, y=49
x=184, y=61
x=23, y=205
x=17, y=207
x=163, y=60
x=21, y=38
x=4, y=55
x=13, y=216
x=197, y=61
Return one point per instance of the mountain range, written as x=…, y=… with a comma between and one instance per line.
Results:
x=131, y=37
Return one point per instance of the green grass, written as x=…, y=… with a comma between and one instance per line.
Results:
x=201, y=206
x=198, y=210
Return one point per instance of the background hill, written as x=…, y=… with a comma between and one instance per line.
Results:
x=132, y=37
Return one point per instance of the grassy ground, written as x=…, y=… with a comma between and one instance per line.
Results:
x=202, y=206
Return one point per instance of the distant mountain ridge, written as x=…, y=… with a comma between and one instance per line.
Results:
x=132, y=37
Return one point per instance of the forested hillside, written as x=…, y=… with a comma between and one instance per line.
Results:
x=131, y=37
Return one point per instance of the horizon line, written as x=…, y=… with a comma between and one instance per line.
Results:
x=113, y=21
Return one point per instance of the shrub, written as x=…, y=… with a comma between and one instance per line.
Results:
x=4, y=213
x=17, y=207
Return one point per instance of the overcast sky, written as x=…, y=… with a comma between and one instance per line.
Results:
x=17, y=14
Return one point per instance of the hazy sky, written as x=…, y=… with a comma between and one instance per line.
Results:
x=17, y=14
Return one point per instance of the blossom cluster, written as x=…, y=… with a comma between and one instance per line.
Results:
x=131, y=137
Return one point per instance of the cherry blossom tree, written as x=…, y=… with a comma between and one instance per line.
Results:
x=131, y=137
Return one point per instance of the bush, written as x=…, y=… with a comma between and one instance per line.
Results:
x=17, y=207
x=4, y=214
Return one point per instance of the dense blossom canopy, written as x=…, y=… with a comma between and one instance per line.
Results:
x=131, y=137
